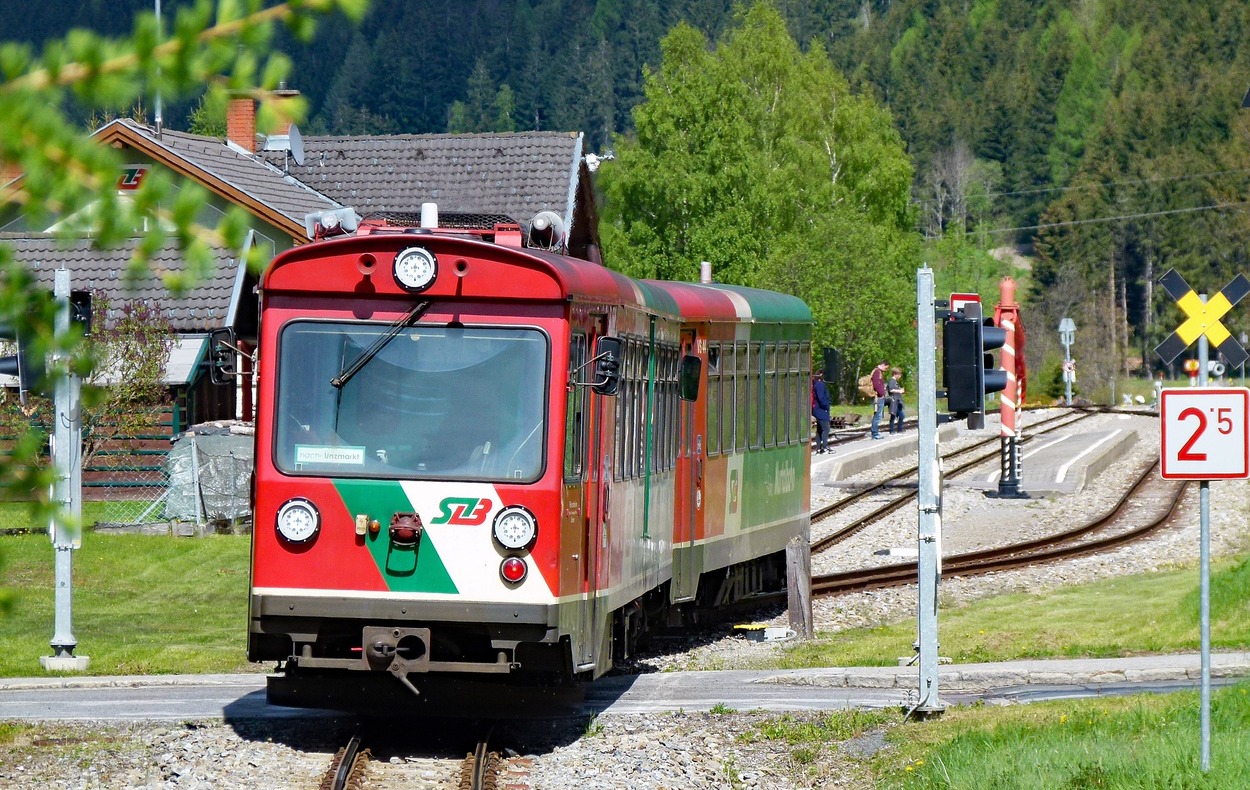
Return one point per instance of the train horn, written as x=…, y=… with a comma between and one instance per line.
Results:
x=547, y=230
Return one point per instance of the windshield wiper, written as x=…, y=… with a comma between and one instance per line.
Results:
x=408, y=319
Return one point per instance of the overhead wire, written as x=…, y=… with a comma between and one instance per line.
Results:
x=1091, y=220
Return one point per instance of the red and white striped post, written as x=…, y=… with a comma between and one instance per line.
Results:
x=1007, y=315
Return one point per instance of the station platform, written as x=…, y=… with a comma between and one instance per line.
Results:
x=1062, y=462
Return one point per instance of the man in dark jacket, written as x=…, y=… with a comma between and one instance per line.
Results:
x=820, y=411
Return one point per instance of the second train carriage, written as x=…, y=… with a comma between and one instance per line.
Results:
x=480, y=461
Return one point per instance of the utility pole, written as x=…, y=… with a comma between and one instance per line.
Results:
x=65, y=528
x=928, y=499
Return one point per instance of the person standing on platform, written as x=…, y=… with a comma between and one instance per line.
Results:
x=820, y=411
x=879, y=399
x=894, y=391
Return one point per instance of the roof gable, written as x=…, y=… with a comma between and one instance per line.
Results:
x=237, y=175
x=517, y=174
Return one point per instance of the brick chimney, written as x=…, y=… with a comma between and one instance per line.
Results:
x=241, y=123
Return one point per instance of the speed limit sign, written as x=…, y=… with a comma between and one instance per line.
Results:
x=1205, y=433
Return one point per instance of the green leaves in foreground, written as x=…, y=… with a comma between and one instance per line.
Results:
x=68, y=180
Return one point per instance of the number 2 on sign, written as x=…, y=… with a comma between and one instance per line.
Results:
x=1223, y=419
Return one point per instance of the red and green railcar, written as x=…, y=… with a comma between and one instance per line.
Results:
x=484, y=465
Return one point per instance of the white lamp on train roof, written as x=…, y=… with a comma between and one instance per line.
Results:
x=333, y=222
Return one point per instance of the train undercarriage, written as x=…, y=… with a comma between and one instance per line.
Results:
x=465, y=669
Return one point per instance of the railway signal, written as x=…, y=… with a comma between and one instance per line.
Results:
x=968, y=370
x=26, y=365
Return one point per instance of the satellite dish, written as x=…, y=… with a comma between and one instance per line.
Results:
x=297, y=145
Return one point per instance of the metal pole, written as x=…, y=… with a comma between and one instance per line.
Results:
x=200, y=516
x=1067, y=333
x=928, y=499
x=66, y=521
x=1012, y=465
x=1204, y=551
x=1244, y=340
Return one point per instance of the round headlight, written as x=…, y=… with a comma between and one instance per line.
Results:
x=298, y=521
x=415, y=269
x=515, y=528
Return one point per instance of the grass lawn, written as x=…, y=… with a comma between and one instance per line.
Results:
x=1127, y=615
x=1113, y=743
x=141, y=604
x=1142, y=741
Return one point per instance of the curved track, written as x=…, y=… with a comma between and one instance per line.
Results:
x=1101, y=534
x=1039, y=429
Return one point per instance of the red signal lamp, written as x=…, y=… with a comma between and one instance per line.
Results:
x=513, y=570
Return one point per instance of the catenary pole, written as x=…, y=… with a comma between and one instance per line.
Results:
x=928, y=499
x=66, y=492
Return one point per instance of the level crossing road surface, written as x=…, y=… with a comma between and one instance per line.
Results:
x=242, y=697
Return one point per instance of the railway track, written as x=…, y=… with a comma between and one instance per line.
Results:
x=1103, y=533
x=481, y=769
x=348, y=768
x=353, y=767
x=842, y=533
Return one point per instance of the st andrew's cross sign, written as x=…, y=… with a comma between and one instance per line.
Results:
x=1203, y=318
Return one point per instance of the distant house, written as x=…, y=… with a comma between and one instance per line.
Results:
x=281, y=179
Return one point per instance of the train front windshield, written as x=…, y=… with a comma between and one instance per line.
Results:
x=463, y=403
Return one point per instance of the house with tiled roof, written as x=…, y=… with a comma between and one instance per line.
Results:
x=517, y=174
x=282, y=179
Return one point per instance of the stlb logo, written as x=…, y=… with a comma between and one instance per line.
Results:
x=463, y=511
x=131, y=177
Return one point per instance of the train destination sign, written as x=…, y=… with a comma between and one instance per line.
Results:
x=1205, y=433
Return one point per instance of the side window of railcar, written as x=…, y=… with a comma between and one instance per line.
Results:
x=666, y=415
x=575, y=417
x=770, y=395
x=783, y=394
x=755, y=371
x=800, y=397
x=785, y=391
x=640, y=407
x=742, y=403
x=713, y=399
x=802, y=418
x=625, y=411
x=800, y=427
x=646, y=407
x=675, y=407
